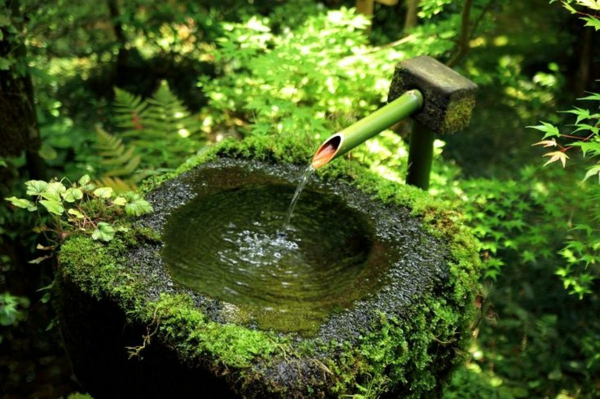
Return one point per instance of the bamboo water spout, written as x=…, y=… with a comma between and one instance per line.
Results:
x=438, y=99
x=345, y=140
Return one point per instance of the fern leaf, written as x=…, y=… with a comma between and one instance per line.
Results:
x=126, y=170
x=120, y=159
x=129, y=109
x=117, y=184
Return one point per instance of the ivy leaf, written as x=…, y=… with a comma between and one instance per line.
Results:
x=105, y=232
x=72, y=194
x=53, y=206
x=557, y=156
x=103, y=192
x=22, y=203
x=36, y=187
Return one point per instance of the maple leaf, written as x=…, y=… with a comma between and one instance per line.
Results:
x=547, y=143
x=557, y=156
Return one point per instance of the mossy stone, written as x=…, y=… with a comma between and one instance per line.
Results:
x=115, y=300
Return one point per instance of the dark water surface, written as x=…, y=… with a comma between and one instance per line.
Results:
x=343, y=256
x=228, y=245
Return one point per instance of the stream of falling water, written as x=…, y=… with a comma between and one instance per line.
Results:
x=303, y=180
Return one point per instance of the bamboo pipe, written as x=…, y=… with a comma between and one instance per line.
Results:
x=388, y=115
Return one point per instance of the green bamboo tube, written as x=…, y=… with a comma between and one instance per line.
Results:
x=420, y=156
x=371, y=125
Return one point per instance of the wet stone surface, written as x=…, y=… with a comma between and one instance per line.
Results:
x=346, y=256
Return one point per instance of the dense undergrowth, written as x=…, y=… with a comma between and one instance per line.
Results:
x=126, y=106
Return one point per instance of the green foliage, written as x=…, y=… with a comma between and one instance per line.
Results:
x=12, y=309
x=582, y=251
x=120, y=160
x=584, y=134
x=161, y=127
x=81, y=207
x=587, y=11
x=298, y=82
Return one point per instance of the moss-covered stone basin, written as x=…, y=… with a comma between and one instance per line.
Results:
x=369, y=292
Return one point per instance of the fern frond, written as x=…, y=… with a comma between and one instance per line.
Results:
x=161, y=127
x=167, y=114
x=120, y=159
x=129, y=110
x=119, y=185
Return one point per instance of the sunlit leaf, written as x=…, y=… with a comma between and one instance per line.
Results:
x=103, y=192
x=85, y=179
x=546, y=143
x=53, y=206
x=569, y=7
x=593, y=4
x=581, y=114
x=120, y=201
x=36, y=187
x=549, y=129
x=75, y=213
x=72, y=194
x=592, y=97
x=22, y=203
x=594, y=170
x=557, y=156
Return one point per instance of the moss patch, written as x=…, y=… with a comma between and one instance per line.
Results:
x=405, y=352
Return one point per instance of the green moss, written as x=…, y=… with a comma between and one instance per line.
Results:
x=402, y=357
x=194, y=335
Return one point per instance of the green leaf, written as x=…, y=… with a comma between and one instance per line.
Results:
x=4, y=62
x=120, y=201
x=103, y=192
x=592, y=97
x=54, y=191
x=547, y=128
x=53, y=206
x=570, y=8
x=75, y=213
x=72, y=194
x=22, y=203
x=105, y=232
x=594, y=170
x=581, y=114
x=138, y=207
x=587, y=146
x=36, y=187
x=85, y=179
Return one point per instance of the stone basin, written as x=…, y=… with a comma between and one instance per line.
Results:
x=371, y=286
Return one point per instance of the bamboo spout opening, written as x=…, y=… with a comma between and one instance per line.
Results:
x=327, y=151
